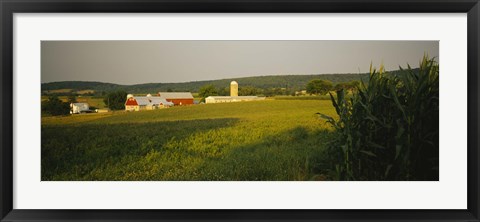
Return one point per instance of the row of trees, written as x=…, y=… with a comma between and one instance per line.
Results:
x=211, y=90
x=322, y=87
x=314, y=87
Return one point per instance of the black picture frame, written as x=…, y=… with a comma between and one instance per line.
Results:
x=9, y=7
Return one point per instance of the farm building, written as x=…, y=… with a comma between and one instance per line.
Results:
x=77, y=108
x=230, y=99
x=149, y=102
x=303, y=92
x=177, y=98
x=233, y=89
x=233, y=96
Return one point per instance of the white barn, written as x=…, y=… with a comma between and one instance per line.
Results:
x=231, y=99
x=233, y=96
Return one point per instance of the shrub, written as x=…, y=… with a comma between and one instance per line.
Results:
x=207, y=90
x=55, y=107
x=116, y=100
x=389, y=129
x=319, y=86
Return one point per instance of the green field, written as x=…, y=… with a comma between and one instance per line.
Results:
x=262, y=140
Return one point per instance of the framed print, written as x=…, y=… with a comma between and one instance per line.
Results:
x=231, y=110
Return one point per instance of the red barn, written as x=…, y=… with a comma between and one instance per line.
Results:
x=149, y=102
x=177, y=98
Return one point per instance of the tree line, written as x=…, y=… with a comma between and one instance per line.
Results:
x=115, y=100
x=313, y=87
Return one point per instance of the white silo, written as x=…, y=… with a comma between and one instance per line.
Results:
x=129, y=96
x=233, y=88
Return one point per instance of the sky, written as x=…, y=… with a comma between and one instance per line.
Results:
x=166, y=61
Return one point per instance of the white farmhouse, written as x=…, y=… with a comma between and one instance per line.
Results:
x=76, y=108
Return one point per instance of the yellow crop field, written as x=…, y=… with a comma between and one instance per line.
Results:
x=262, y=140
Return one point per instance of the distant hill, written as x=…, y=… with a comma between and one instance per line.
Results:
x=293, y=82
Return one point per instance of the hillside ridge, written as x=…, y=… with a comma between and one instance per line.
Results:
x=277, y=81
x=293, y=82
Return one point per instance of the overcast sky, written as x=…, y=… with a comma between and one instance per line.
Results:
x=133, y=62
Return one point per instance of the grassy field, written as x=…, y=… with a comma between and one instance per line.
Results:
x=262, y=140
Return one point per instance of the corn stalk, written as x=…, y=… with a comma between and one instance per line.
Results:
x=389, y=128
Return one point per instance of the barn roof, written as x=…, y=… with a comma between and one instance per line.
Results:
x=154, y=100
x=220, y=97
x=176, y=95
x=234, y=97
x=158, y=100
